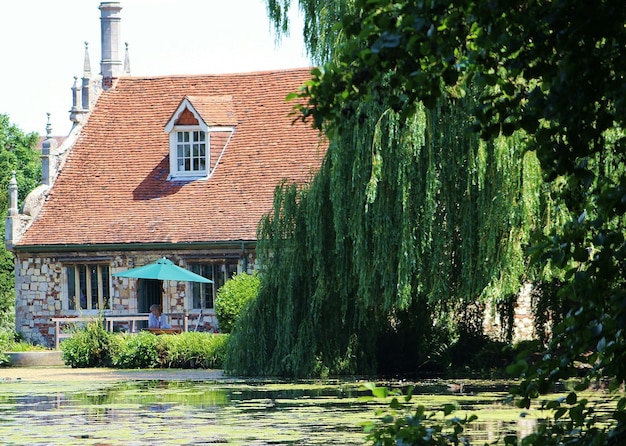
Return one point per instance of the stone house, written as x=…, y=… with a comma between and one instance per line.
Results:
x=181, y=167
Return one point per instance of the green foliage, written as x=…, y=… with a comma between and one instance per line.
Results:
x=92, y=346
x=555, y=71
x=17, y=153
x=7, y=287
x=320, y=18
x=404, y=425
x=137, y=351
x=7, y=340
x=195, y=350
x=389, y=246
x=233, y=297
x=89, y=345
x=410, y=221
x=184, y=350
x=10, y=341
x=573, y=422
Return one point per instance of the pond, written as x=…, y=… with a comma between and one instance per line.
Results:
x=191, y=411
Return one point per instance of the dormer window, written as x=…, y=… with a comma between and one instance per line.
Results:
x=196, y=122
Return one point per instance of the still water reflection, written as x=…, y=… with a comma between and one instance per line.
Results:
x=243, y=413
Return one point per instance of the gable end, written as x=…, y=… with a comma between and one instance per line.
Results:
x=186, y=117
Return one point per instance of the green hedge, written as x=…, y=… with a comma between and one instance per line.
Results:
x=142, y=350
x=93, y=346
x=195, y=350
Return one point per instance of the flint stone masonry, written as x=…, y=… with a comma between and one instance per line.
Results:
x=42, y=281
x=523, y=323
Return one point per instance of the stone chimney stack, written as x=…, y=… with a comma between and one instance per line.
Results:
x=111, y=65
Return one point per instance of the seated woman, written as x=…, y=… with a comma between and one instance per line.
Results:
x=157, y=319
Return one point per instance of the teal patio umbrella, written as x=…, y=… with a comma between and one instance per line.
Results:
x=163, y=269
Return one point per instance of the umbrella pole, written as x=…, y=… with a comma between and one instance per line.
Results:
x=198, y=321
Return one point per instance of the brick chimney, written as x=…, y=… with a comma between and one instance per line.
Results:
x=111, y=65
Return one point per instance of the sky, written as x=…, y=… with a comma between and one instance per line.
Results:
x=42, y=47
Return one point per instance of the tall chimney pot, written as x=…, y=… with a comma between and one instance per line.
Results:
x=111, y=65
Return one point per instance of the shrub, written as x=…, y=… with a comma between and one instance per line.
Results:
x=195, y=350
x=89, y=346
x=233, y=297
x=137, y=351
x=404, y=424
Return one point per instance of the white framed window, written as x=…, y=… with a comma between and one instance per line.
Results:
x=88, y=286
x=191, y=154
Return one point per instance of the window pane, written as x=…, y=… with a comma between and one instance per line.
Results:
x=196, y=301
x=72, y=298
x=231, y=270
x=202, y=293
x=207, y=272
x=82, y=279
x=196, y=289
x=104, y=285
x=93, y=286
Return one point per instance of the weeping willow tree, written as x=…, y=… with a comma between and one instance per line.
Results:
x=320, y=34
x=411, y=225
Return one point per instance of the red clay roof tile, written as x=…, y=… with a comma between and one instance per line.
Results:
x=215, y=110
x=114, y=189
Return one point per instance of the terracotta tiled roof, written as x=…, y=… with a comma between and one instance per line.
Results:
x=216, y=110
x=114, y=188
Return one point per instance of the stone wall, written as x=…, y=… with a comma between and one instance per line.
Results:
x=523, y=324
x=41, y=290
x=38, y=298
